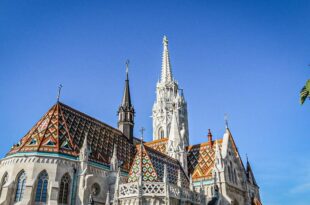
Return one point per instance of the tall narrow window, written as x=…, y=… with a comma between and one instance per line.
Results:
x=3, y=182
x=20, y=186
x=41, y=191
x=229, y=173
x=235, y=177
x=64, y=189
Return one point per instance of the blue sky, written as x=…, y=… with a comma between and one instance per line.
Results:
x=245, y=58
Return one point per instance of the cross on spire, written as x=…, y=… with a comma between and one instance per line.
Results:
x=142, y=132
x=59, y=92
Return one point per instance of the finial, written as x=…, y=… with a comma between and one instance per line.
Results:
x=247, y=159
x=142, y=132
x=59, y=92
x=127, y=68
x=210, y=137
x=165, y=40
x=226, y=120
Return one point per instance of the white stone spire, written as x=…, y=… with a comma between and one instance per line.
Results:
x=114, y=160
x=176, y=146
x=166, y=74
x=174, y=136
x=168, y=97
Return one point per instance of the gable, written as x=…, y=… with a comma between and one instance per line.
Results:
x=201, y=158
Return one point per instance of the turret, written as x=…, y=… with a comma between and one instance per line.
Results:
x=126, y=112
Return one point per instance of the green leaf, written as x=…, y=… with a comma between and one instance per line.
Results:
x=304, y=93
x=308, y=85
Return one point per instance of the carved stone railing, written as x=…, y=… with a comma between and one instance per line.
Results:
x=153, y=188
x=158, y=189
x=129, y=190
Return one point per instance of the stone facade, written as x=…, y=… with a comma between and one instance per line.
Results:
x=71, y=158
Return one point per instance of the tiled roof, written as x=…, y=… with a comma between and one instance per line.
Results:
x=159, y=145
x=62, y=130
x=201, y=159
x=153, y=163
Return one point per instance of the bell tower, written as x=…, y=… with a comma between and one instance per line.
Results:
x=126, y=111
x=168, y=98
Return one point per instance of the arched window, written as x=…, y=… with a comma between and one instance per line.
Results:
x=41, y=192
x=161, y=133
x=63, y=197
x=20, y=186
x=3, y=181
x=229, y=173
x=235, y=177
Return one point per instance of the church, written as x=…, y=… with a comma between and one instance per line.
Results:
x=71, y=158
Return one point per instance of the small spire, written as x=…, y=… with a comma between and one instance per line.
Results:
x=126, y=102
x=210, y=137
x=166, y=74
x=59, y=92
x=114, y=159
x=142, y=133
x=226, y=120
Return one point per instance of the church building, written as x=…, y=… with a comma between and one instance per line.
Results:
x=71, y=158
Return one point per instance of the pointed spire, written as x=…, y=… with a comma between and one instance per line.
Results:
x=114, y=160
x=174, y=135
x=166, y=74
x=249, y=172
x=84, y=153
x=126, y=102
x=126, y=111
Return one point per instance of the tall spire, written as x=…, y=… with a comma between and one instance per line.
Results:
x=126, y=102
x=126, y=111
x=166, y=74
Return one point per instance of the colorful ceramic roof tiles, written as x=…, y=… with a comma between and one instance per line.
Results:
x=201, y=159
x=62, y=130
x=153, y=163
x=159, y=145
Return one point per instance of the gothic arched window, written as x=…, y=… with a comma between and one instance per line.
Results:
x=3, y=181
x=41, y=191
x=64, y=189
x=235, y=177
x=161, y=133
x=20, y=186
x=229, y=173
